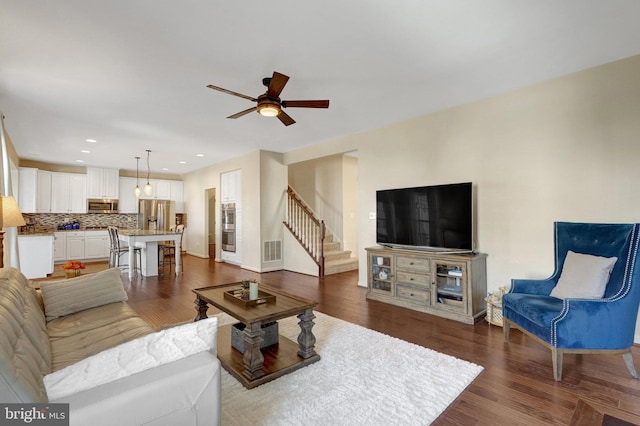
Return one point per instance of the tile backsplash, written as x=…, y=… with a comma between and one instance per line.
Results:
x=46, y=222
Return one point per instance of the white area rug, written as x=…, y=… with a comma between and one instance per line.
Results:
x=363, y=378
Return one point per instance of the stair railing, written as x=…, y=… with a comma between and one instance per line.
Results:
x=306, y=228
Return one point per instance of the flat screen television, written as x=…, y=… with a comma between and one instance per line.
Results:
x=435, y=218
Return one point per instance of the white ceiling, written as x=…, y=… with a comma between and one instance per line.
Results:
x=132, y=74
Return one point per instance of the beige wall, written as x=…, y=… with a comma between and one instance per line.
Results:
x=329, y=186
x=319, y=183
x=273, y=203
x=350, y=204
x=563, y=150
x=264, y=181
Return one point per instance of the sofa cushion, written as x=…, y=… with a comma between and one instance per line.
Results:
x=133, y=357
x=85, y=333
x=583, y=276
x=66, y=297
x=25, y=354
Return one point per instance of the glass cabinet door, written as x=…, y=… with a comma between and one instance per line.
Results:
x=450, y=277
x=381, y=272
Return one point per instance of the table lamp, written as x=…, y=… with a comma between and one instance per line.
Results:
x=9, y=216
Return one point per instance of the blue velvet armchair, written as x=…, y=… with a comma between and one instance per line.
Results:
x=580, y=325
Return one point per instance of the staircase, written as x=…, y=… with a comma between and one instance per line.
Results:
x=311, y=234
x=337, y=260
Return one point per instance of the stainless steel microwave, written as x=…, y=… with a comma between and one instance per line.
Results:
x=102, y=206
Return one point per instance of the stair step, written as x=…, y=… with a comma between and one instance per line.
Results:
x=330, y=256
x=332, y=246
x=342, y=265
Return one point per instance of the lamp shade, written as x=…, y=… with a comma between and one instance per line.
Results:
x=11, y=215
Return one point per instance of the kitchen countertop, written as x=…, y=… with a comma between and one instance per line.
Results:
x=50, y=232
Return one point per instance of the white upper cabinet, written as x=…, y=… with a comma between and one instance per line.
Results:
x=229, y=186
x=43, y=203
x=28, y=190
x=103, y=183
x=68, y=193
x=162, y=190
x=128, y=202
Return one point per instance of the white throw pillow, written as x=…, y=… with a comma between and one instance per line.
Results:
x=583, y=276
x=133, y=357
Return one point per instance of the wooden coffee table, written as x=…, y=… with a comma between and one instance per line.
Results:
x=257, y=366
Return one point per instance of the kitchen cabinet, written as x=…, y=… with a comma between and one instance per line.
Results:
x=96, y=244
x=161, y=189
x=36, y=255
x=103, y=183
x=27, y=189
x=68, y=193
x=59, y=246
x=43, y=191
x=80, y=245
x=34, y=190
x=229, y=186
x=128, y=202
x=75, y=245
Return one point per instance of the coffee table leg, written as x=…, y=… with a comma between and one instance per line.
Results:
x=253, y=359
x=306, y=339
x=201, y=307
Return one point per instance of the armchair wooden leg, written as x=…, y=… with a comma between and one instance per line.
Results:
x=556, y=356
x=628, y=360
x=505, y=330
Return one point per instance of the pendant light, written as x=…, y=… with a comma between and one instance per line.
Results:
x=147, y=188
x=137, y=191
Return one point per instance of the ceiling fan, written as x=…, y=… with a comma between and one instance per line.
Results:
x=269, y=103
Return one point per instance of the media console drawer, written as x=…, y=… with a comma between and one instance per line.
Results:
x=412, y=263
x=413, y=294
x=408, y=277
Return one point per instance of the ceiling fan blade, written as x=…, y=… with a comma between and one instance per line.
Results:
x=277, y=83
x=306, y=104
x=286, y=120
x=231, y=92
x=245, y=112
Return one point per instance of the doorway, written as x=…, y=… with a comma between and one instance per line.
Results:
x=211, y=219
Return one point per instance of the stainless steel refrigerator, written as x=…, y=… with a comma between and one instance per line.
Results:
x=157, y=215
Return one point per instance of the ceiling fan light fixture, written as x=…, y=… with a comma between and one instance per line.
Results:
x=269, y=109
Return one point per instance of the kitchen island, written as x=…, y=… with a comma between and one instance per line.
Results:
x=148, y=241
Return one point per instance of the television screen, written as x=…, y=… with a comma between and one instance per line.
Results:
x=438, y=217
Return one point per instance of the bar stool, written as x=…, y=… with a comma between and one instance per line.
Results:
x=117, y=250
x=167, y=252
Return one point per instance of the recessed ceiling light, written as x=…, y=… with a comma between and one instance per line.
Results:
x=91, y=140
x=182, y=162
x=165, y=169
x=199, y=155
x=84, y=151
x=79, y=161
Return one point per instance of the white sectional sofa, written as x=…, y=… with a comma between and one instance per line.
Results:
x=82, y=344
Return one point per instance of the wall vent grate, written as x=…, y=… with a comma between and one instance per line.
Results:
x=272, y=251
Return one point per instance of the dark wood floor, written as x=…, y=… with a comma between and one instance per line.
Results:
x=515, y=388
